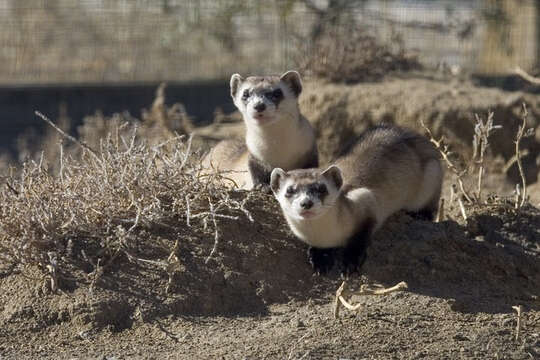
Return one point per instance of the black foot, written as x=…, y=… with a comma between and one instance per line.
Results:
x=321, y=260
x=424, y=214
x=351, y=262
x=354, y=254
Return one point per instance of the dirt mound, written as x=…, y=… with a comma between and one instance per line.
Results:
x=161, y=290
x=341, y=112
x=486, y=266
x=255, y=264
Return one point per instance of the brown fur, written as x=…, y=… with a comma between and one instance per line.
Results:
x=229, y=157
x=388, y=160
x=287, y=140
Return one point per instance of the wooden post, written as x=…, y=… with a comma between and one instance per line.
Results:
x=510, y=36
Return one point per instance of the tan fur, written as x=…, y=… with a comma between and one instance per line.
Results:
x=229, y=158
x=387, y=170
x=400, y=167
x=283, y=144
x=277, y=136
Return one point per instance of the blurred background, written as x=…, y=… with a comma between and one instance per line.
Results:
x=73, y=58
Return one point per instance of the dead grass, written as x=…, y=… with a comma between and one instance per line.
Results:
x=96, y=194
x=464, y=170
x=157, y=123
x=350, y=55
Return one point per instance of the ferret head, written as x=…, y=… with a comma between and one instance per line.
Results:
x=308, y=193
x=266, y=99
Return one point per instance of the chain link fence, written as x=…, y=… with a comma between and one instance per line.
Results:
x=104, y=41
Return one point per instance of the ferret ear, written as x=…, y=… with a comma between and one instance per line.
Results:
x=333, y=174
x=276, y=177
x=236, y=81
x=292, y=78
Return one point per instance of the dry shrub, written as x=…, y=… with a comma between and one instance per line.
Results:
x=467, y=172
x=82, y=203
x=90, y=212
x=157, y=124
x=350, y=55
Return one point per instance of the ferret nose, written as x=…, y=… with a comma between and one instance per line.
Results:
x=306, y=204
x=260, y=107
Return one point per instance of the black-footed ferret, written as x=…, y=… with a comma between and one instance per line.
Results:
x=388, y=169
x=277, y=135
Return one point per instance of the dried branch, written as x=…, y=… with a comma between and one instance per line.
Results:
x=52, y=267
x=520, y=72
x=518, y=309
x=342, y=292
x=482, y=131
x=440, y=212
x=63, y=133
x=12, y=189
x=445, y=153
x=216, y=231
x=462, y=209
x=122, y=173
x=173, y=265
x=521, y=133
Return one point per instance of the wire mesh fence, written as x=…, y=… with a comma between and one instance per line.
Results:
x=102, y=41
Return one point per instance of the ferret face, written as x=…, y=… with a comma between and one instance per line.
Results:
x=306, y=194
x=266, y=99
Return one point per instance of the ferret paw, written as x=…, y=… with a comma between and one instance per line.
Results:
x=348, y=268
x=321, y=260
x=351, y=263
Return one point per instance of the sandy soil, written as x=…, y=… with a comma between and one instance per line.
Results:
x=257, y=298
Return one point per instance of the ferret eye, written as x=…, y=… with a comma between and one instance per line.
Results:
x=321, y=189
x=274, y=95
x=290, y=191
x=277, y=94
x=245, y=95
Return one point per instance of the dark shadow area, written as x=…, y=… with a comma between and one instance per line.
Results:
x=481, y=268
x=17, y=104
x=505, y=82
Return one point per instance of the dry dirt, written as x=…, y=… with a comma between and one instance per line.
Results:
x=256, y=297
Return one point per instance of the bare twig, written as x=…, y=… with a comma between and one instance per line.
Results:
x=153, y=262
x=188, y=151
x=188, y=211
x=96, y=274
x=445, y=153
x=513, y=160
x=63, y=133
x=176, y=138
x=52, y=267
x=482, y=131
x=342, y=292
x=440, y=212
x=295, y=345
x=518, y=309
x=520, y=135
x=11, y=188
x=216, y=231
x=173, y=264
x=462, y=208
x=61, y=171
x=533, y=80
